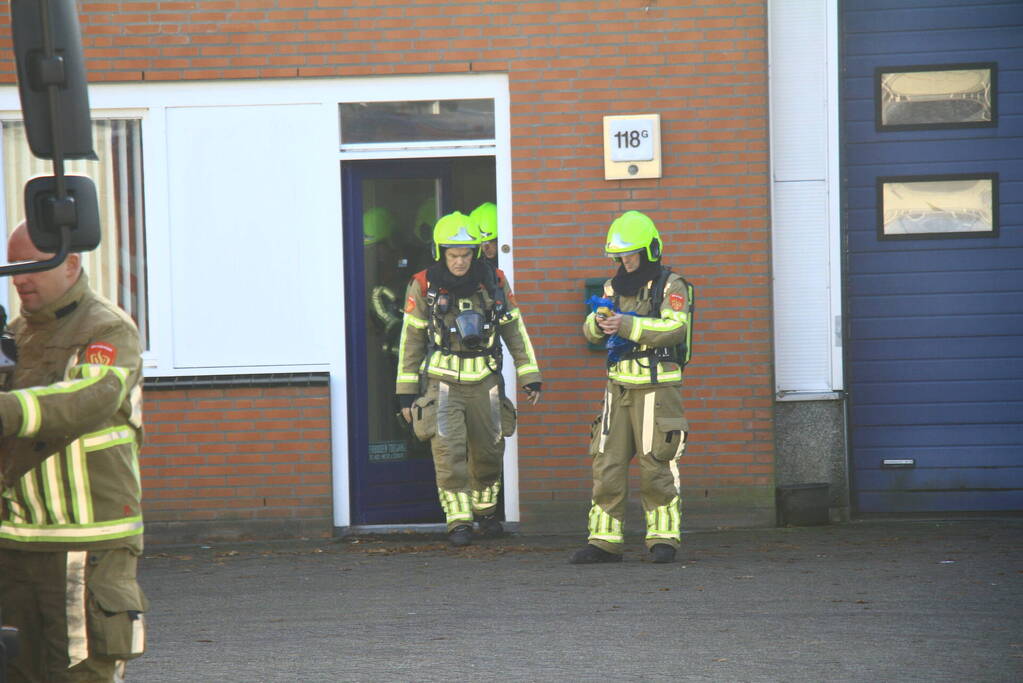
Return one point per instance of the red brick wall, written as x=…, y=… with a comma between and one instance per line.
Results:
x=236, y=463
x=701, y=64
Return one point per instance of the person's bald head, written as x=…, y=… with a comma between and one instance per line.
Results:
x=40, y=289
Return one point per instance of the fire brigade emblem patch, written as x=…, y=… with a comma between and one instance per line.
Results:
x=100, y=353
x=677, y=301
x=410, y=305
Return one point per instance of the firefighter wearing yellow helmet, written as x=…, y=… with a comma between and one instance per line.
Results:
x=377, y=225
x=642, y=413
x=449, y=381
x=485, y=218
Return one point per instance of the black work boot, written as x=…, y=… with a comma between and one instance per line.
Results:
x=591, y=554
x=490, y=526
x=460, y=536
x=662, y=553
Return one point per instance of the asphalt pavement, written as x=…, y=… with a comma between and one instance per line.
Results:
x=863, y=601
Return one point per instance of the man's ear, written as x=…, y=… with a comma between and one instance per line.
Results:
x=73, y=263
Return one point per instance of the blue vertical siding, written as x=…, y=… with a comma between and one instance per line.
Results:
x=934, y=327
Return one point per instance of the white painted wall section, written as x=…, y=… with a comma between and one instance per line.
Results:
x=805, y=198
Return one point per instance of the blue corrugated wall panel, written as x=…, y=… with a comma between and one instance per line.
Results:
x=934, y=327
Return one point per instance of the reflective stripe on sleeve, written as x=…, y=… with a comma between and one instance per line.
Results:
x=31, y=415
x=666, y=324
x=635, y=329
x=107, y=438
x=526, y=369
x=405, y=377
x=530, y=365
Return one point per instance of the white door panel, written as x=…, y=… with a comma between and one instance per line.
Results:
x=253, y=219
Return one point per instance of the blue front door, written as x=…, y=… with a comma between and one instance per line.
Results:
x=932, y=101
x=390, y=208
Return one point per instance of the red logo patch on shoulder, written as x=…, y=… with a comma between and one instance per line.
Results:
x=410, y=305
x=677, y=301
x=100, y=353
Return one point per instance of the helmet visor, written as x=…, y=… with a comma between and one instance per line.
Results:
x=619, y=254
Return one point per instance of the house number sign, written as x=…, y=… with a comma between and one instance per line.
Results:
x=632, y=146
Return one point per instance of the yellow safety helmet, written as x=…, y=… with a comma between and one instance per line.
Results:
x=377, y=225
x=426, y=218
x=455, y=230
x=485, y=218
x=632, y=232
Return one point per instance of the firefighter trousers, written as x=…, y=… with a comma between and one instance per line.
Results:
x=648, y=422
x=79, y=614
x=468, y=448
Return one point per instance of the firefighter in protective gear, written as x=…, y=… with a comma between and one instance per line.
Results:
x=449, y=380
x=70, y=494
x=377, y=228
x=485, y=218
x=642, y=413
x=377, y=225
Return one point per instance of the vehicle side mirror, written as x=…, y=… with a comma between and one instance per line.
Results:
x=65, y=69
x=46, y=214
x=62, y=212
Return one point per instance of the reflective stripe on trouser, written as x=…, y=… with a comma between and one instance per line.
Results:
x=632, y=423
x=483, y=502
x=468, y=449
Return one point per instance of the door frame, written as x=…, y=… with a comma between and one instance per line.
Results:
x=476, y=86
x=353, y=284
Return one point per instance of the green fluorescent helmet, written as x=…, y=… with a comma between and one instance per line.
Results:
x=455, y=230
x=377, y=225
x=485, y=218
x=632, y=232
x=426, y=218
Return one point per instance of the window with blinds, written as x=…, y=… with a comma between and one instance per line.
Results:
x=117, y=268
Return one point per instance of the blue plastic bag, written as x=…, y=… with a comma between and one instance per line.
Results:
x=616, y=346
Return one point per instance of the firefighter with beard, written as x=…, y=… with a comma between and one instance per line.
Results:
x=449, y=381
x=642, y=413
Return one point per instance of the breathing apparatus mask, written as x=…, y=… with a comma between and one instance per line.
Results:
x=471, y=328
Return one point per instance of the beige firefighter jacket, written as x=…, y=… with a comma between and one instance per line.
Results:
x=444, y=363
x=664, y=330
x=71, y=417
